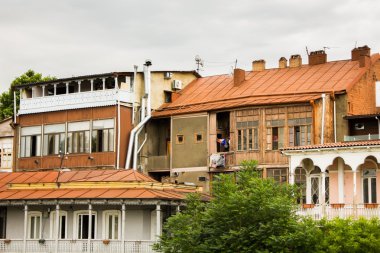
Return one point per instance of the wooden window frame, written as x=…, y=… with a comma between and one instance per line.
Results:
x=196, y=139
x=177, y=141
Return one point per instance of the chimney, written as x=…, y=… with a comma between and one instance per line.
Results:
x=282, y=63
x=258, y=65
x=317, y=57
x=239, y=76
x=361, y=54
x=295, y=61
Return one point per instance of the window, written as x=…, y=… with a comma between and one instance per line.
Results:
x=300, y=181
x=299, y=135
x=180, y=139
x=82, y=224
x=6, y=156
x=78, y=137
x=279, y=175
x=30, y=141
x=54, y=139
x=247, y=136
x=168, y=96
x=275, y=138
x=62, y=229
x=198, y=137
x=103, y=135
x=111, y=225
x=3, y=222
x=34, y=225
x=369, y=186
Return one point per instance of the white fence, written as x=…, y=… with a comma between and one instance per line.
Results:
x=342, y=211
x=76, y=246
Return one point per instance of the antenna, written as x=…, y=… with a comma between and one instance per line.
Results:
x=307, y=51
x=198, y=62
x=235, y=63
x=356, y=43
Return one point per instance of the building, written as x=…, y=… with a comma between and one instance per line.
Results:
x=216, y=122
x=85, y=122
x=127, y=210
x=6, y=145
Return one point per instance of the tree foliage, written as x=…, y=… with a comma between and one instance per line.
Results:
x=7, y=98
x=246, y=214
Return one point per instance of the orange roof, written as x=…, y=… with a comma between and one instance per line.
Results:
x=335, y=145
x=270, y=86
x=88, y=184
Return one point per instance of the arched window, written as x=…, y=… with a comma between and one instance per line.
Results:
x=300, y=181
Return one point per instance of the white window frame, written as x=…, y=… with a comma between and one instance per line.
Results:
x=52, y=224
x=369, y=185
x=30, y=215
x=76, y=220
x=105, y=224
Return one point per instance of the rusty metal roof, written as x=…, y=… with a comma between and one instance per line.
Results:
x=89, y=184
x=270, y=86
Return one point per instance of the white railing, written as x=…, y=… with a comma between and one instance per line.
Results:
x=76, y=246
x=74, y=101
x=342, y=211
x=361, y=137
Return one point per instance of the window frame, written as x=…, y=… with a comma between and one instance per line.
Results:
x=196, y=139
x=34, y=214
x=245, y=136
x=23, y=144
x=62, y=137
x=52, y=224
x=76, y=215
x=105, y=224
x=94, y=135
x=177, y=140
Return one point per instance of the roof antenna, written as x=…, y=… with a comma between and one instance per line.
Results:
x=235, y=63
x=356, y=44
x=198, y=62
x=307, y=51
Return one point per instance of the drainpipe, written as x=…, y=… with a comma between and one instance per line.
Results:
x=15, y=106
x=131, y=89
x=148, y=116
x=334, y=121
x=323, y=118
x=118, y=124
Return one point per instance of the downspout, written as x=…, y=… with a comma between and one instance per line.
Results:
x=132, y=89
x=118, y=124
x=136, y=146
x=143, y=121
x=323, y=118
x=15, y=107
x=334, y=120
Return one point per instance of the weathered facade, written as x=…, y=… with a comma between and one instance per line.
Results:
x=6, y=145
x=261, y=111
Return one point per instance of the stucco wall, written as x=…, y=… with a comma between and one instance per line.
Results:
x=190, y=153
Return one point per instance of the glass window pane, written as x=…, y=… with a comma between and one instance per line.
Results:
x=111, y=140
x=256, y=138
x=239, y=139
x=365, y=190
x=110, y=226
x=244, y=139
x=250, y=139
x=105, y=140
x=32, y=226
x=373, y=190
x=87, y=141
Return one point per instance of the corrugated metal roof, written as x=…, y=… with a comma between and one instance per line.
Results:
x=89, y=184
x=270, y=86
x=335, y=145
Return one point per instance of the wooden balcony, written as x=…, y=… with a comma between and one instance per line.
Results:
x=75, y=246
x=343, y=211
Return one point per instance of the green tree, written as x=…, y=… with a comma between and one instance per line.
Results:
x=6, y=98
x=246, y=214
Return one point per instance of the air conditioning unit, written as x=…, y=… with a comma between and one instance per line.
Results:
x=168, y=75
x=218, y=160
x=177, y=85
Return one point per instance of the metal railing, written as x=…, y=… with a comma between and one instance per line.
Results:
x=76, y=246
x=340, y=210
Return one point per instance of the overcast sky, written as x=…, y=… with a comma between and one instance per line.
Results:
x=75, y=37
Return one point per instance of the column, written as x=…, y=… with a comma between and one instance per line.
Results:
x=178, y=209
x=116, y=84
x=354, y=186
x=92, y=86
x=43, y=90
x=291, y=176
x=79, y=84
x=340, y=180
x=25, y=227
x=67, y=88
x=57, y=227
x=323, y=190
x=89, y=227
x=158, y=221
x=123, y=226
x=104, y=83
x=55, y=89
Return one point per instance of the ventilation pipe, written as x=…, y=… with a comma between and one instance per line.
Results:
x=133, y=136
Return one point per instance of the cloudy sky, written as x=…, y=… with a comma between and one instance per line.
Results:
x=78, y=37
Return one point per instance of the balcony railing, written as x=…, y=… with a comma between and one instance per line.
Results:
x=76, y=246
x=342, y=211
x=74, y=101
x=361, y=137
x=222, y=159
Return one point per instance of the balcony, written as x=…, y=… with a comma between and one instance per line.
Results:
x=361, y=137
x=222, y=160
x=158, y=163
x=343, y=211
x=76, y=246
x=74, y=101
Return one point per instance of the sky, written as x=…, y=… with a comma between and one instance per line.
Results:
x=80, y=37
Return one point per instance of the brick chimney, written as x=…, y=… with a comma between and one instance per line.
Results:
x=295, y=61
x=361, y=54
x=239, y=76
x=282, y=63
x=258, y=65
x=317, y=57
